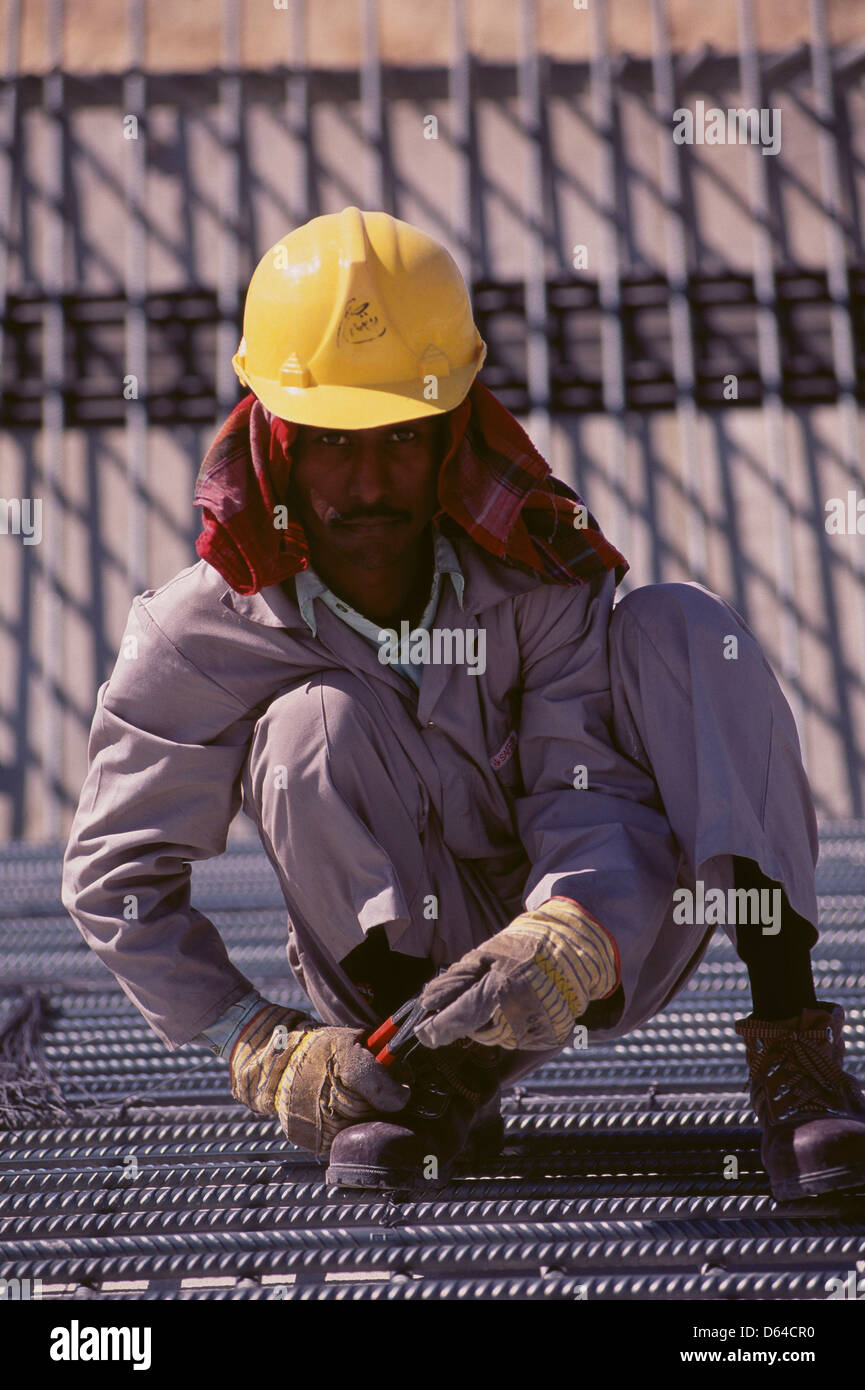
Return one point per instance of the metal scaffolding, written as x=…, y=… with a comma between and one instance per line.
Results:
x=592, y=358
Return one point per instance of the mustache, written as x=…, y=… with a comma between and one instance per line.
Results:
x=366, y=514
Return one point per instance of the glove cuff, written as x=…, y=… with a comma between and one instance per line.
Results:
x=573, y=954
x=592, y=931
x=259, y=1056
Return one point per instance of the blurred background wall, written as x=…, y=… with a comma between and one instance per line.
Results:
x=680, y=326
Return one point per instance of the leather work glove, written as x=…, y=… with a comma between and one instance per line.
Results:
x=315, y=1079
x=527, y=985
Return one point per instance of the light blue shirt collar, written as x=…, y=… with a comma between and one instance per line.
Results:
x=309, y=587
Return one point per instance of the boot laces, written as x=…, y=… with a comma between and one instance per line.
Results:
x=798, y=1068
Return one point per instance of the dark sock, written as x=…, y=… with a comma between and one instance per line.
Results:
x=386, y=978
x=779, y=967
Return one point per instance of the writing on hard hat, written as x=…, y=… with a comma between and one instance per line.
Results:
x=357, y=320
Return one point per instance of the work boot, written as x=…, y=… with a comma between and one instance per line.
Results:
x=454, y=1110
x=812, y=1113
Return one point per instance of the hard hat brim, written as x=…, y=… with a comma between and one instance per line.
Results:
x=361, y=407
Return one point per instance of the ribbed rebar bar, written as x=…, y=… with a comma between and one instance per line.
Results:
x=509, y=1249
x=784, y=1286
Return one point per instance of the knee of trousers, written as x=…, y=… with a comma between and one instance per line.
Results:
x=731, y=773
x=683, y=622
x=328, y=726
x=664, y=610
x=333, y=705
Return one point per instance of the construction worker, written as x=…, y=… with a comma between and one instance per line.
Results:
x=475, y=778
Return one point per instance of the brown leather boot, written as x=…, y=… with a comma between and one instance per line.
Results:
x=454, y=1110
x=812, y=1113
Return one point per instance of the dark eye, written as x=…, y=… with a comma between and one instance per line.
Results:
x=402, y=436
x=334, y=437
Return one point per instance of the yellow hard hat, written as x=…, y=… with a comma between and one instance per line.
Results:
x=355, y=320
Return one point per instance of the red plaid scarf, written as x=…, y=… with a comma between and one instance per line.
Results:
x=493, y=485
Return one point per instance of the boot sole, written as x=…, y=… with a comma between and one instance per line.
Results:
x=843, y=1180
x=383, y=1179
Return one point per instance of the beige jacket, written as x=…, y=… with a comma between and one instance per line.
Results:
x=198, y=665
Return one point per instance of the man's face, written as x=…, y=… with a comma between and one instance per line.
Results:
x=364, y=497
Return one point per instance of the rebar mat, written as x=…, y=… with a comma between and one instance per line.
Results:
x=631, y=1169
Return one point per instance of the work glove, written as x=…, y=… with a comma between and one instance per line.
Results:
x=527, y=985
x=315, y=1079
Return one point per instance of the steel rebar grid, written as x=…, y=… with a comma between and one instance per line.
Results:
x=229, y=124
x=681, y=326
x=372, y=109
x=613, y=371
x=294, y=1200
x=460, y=101
x=509, y=1249
x=297, y=110
x=53, y=416
x=837, y=274
x=136, y=432
x=529, y=85
x=714, y=1285
x=8, y=119
x=769, y=348
x=173, y=1211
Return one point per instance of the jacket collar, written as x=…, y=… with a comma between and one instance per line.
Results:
x=271, y=607
x=487, y=581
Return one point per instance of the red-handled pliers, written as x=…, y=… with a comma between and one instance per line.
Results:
x=394, y=1040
